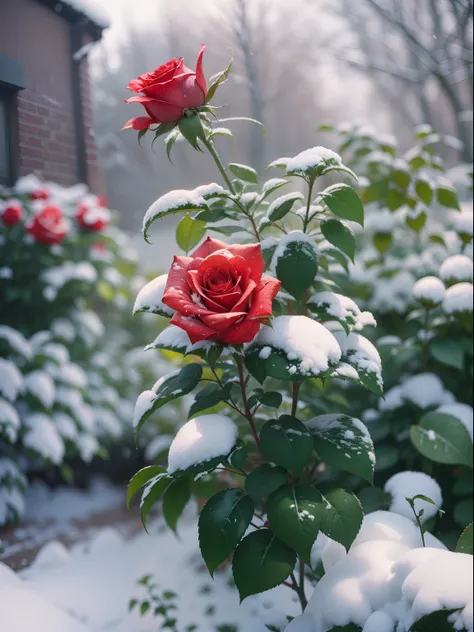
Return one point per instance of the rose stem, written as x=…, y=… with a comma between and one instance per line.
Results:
x=295, y=390
x=301, y=593
x=308, y=204
x=248, y=412
x=212, y=150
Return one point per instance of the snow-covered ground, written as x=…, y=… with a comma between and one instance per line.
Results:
x=87, y=587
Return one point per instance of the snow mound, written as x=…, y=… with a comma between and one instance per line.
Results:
x=361, y=354
x=9, y=420
x=149, y=298
x=11, y=380
x=408, y=484
x=458, y=298
x=200, y=440
x=311, y=158
x=386, y=580
x=303, y=339
x=342, y=308
x=424, y=390
x=43, y=438
x=41, y=386
x=456, y=268
x=429, y=289
x=16, y=341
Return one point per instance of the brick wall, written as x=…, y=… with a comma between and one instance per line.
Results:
x=39, y=38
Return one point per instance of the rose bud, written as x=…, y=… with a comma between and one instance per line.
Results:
x=11, y=213
x=49, y=226
x=167, y=91
x=39, y=194
x=220, y=293
x=93, y=218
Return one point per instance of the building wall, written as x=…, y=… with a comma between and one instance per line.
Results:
x=39, y=39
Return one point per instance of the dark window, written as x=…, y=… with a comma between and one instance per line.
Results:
x=7, y=123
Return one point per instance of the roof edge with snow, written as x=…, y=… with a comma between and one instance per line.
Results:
x=86, y=12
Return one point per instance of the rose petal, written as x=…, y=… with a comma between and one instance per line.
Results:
x=207, y=247
x=210, y=303
x=217, y=261
x=243, y=332
x=159, y=111
x=195, y=329
x=177, y=294
x=182, y=91
x=138, y=123
x=263, y=297
x=242, y=303
x=252, y=253
x=227, y=301
x=200, y=78
x=221, y=322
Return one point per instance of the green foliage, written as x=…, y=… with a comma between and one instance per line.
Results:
x=287, y=442
x=443, y=439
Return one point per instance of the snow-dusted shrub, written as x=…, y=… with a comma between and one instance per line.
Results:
x=66, y=291
x=274, y=405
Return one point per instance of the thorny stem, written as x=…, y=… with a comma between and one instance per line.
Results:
x=212, y=150
x=248, y=412
x=308, y=204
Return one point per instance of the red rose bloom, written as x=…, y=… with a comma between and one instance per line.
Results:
x=49, y=226
x=39, y=194
x=90, y=218
x=167, y=91
x=12, y=213
x=219, y=292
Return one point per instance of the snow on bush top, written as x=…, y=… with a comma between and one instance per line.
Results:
x=458, y=298
x=424, y=390
x=430, y=289
x=302, y=339
x=16, y=340
x=200, y=440
x=457, y=268
x=463, y=222
x=310, y=158
x=463, y=412
x=43, y=438
x=409, y=484
x=385, y=572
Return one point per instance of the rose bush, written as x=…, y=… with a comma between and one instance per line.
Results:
x=11, y=212
x=220, y=293
x=49, y=225
x=167, y=91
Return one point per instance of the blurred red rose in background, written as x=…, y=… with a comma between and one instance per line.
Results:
x=11, y=213
x=49, y=226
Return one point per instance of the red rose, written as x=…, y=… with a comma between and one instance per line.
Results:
x=12, y=213
x=220, y=293
x=167, y=91
x=39, y=194
x=49, y=226
x=90, y=218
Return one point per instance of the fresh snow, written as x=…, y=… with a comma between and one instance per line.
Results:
x=11, y=380
x=303, y=339
x=9, y=420
x=458, y=298
x=92, y=10
x=43, y=438
x=457, y=268
x=65, y=425
x=361, y=353
x=200, y=440
x=311, y=158
x=18, y=343
x=343, y=308
x=463, y=222
x=463, y=412
x=430, y=289
x=69, y=271
x=409, y=484
x=179, y=199
x=424, y=390
x=41, y=386
x=88, y=446
x=156, y=446
x=149, y=299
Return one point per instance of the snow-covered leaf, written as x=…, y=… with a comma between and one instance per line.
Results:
x=149, y=298
x=11, y=380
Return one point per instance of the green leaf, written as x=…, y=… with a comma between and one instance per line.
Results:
x=243, y=172
x=141, y=478
x=373, y=499
x=418, y=222
x=244, y=118
x=272, y=185
x=261, y=562
x=218, y=81
x=401, y=178
x=170, y=141
x=239, y=456
x=282, y=205
x=175, y=500
x=264, y=480
x=287, y=442
x=272, y=399
x=463, y=485
x=443, y=439
x=339, y=235
x=448, y=197
x=424, y=191
x=341, y=517
x=344, y=443
x=192, y=130
x=387, y=456
x=463, y=512
x=222, y=523
x=465, y=542
x=153, y=492
x=344, y=202
x=170, y=387
x=141, y=134
x=435, y=622
x=294, y=514
x=395, y=199
x=168, y=204
x=297, y=265
x=209, y=396
x=448, y=352
x=189, y=232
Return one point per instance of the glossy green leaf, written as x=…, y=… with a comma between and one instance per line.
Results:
x=443, y=439
x=344, y=202
x=153, y=491
x=218, y=81
x=287, y=442
x=297, y=266
x=222, y=523
x=465, y=542
x=175, y=500
x=264, y=480
x=341, y=517
x=208, y=397
x=449, y=352
x=283, y=205
x=189, y=233
x=448, y=197
x=244, y=172
x=339, y=235
x=141, y=478
x=261, y=562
